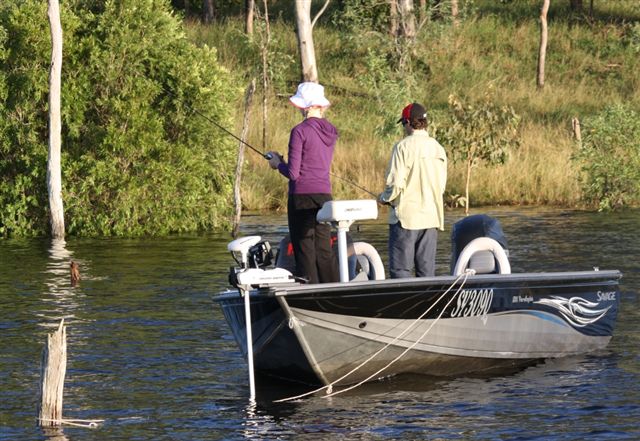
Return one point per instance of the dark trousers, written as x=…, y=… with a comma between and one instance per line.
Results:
x=311, y=241
x=412, y=248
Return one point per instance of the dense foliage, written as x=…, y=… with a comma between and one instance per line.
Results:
x=610, y=158
x=138, y=157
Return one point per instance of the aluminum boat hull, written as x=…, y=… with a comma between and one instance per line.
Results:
x=345, y=333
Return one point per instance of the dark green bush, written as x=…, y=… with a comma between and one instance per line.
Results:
x=136, y=157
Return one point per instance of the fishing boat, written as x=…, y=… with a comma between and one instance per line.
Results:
x=479, y=319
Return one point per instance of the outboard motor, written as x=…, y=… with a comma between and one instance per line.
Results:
x=473, y=227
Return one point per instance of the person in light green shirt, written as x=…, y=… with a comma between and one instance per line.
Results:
x=414, y=186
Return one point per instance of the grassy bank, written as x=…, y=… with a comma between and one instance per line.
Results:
x=592, y=61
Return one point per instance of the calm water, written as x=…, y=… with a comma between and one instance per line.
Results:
x=150, y=353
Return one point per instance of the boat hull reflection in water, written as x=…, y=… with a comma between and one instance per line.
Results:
x=345, y=333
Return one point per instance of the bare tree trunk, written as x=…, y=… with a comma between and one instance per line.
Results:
x=454, y=12
x=577, y=133
x=248, y=97
x=393, y=18
x=542, y=53
x=54, y=172
x=53, y=371
x=407, y=19
x=423, y=11
x=249, y=6
x=208, y=11
x=305, y=41
x=265, y=74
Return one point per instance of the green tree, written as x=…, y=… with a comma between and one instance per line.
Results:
x=610, y=158
x=480, y=132
x=138, y=157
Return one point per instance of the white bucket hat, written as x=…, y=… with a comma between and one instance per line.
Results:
x=308, y=95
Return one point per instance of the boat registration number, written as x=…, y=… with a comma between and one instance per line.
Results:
x=473, y=302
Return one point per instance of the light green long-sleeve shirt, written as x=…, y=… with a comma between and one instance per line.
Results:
x=415, y=182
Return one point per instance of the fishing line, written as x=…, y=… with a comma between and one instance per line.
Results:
x=212, y=121
x=266, y=156
x=354, y=184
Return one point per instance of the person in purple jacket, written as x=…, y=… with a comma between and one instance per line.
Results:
x=311, y=146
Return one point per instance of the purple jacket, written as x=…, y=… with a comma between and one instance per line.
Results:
x=311, y=147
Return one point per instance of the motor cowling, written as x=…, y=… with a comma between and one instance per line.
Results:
x=473, y=227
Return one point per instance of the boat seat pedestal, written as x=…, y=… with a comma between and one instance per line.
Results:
x=341, y=214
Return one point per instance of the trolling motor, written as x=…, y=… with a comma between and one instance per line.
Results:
x=251, y=252
x=253, y=256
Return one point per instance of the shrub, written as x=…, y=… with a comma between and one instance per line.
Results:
x=137, y=158
x=482, y=131
x=610, y=158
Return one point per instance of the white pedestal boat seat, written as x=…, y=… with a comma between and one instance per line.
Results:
x=341, y=214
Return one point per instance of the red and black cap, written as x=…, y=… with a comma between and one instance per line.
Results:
x=413, y=111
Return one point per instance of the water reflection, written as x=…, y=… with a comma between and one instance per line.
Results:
x=150, y=353
x=54, y=434
x=59, y=295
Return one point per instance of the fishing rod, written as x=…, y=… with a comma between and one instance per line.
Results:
x=355, y=185
x=266, y=156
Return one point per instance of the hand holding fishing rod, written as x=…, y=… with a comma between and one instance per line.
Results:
x=274, y=159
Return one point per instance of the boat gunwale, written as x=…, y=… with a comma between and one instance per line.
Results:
x=341, y=287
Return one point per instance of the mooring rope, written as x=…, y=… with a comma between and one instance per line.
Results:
x=91, y=424
x=405, y=351
x=329, y=387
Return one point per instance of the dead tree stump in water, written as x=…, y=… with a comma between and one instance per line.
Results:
x=53, y=371
x=74, y=270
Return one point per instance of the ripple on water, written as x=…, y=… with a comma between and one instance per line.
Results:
x=150, y=352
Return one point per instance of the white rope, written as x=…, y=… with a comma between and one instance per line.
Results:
x=329, y=387
x=91, y=424
x=375, y=374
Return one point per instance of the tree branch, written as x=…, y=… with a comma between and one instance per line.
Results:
x=320, y=12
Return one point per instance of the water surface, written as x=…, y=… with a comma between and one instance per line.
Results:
x=150, y=353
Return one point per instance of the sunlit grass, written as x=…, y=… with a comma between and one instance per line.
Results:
x=590, y=63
